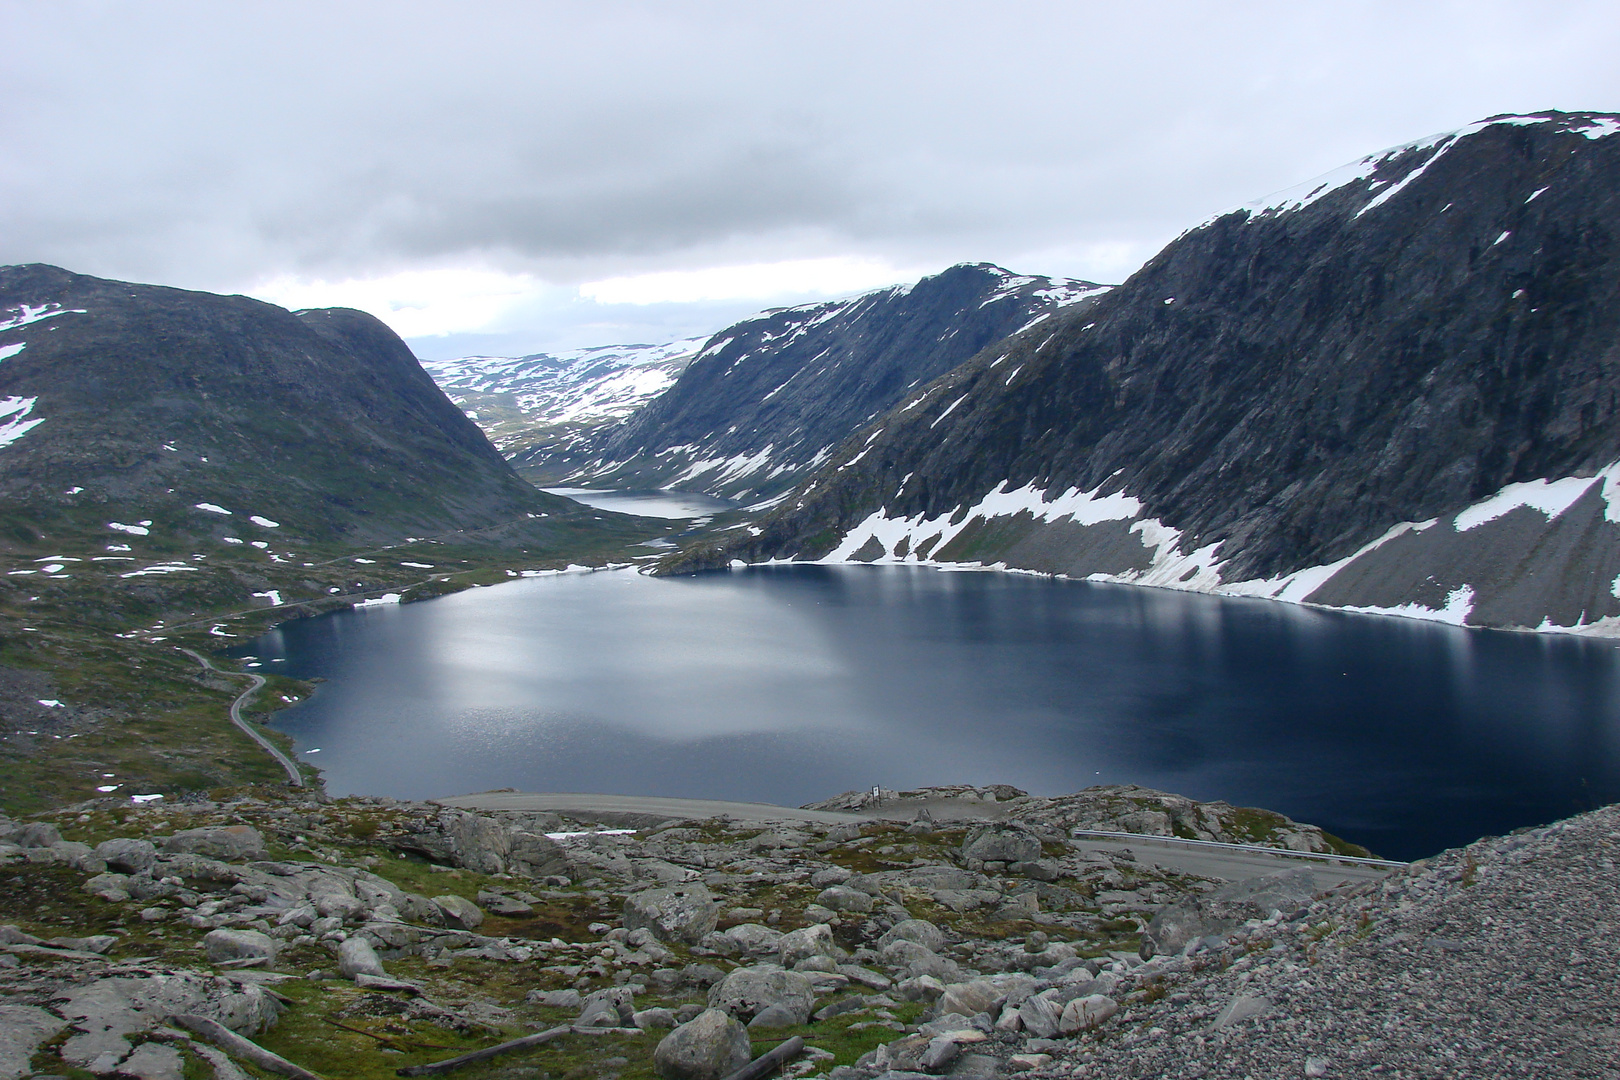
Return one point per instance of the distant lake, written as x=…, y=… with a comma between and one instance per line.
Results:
x=791, y=684
x=656, y=503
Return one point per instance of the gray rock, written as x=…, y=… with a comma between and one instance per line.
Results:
x=458, y=912
x=747, y=992
x=653, y=1019
x=126, y=855
x=1039, y=869
x=969, y=998
x=111, y=887
x=612, y=1007
x=37, y=834
x=218, y=842
x=832, y=875
x=775, y=1016
x=914, y=959
x=755, y=939
x=709, y=1047
x=843, y=898
x=554, y=999
x=1224, y=909
x=95, y=943
x=921, y=931
x=1086, y=1012
x=1243, y=1007
x=920, y=988
x=154, y=1061
x=1039, y=1016
x=940, y=1052
x=1006, y=842
x=682, y=913
x=223, y=945
x=357, y=957
x=23, y=1029
x=806, y=942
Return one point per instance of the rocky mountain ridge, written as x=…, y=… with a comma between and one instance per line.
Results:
x=165, y=937
x=766, y=399
x=1388, y=390
x=159, y=409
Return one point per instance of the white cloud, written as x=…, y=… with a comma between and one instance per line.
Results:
x=419, y=303
x=762, y=281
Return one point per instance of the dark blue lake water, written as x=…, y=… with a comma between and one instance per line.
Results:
x=790, y=684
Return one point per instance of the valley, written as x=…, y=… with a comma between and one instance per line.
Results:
x=1388, y=392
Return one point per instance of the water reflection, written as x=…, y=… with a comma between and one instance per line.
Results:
x=791, y=683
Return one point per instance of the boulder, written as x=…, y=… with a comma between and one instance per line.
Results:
x=609, y=1008
x=1005, y=841
x=218, y=842
x=775, y=1016
x=843, y=898
x=921, y=931
x=747, y=992
x=153, y=1061
x=969, y=998
x=555, y=999
x=223, y=945
x=682, y=913
x=914, y=959
x=458, y=912
x=357, y=957
x=801, y=944
x=709, y=1047
x=1086, y=1012
x=754, y=939
x=1039, y=1016
x=37, y=834
x=655, y=1019
x=126, y=855
x=23, y=1030
x=1225, y=908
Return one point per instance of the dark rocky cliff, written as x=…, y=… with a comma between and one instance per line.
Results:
x=128, y=402
x=1284, y=386
x=767, y=399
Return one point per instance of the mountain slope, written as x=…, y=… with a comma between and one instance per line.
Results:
x=768, y=398
x=543, y=411
x=133, y=402
x=1391, y=389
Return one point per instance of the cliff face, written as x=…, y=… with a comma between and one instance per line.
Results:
x=1393, y=388
x=766, y=400
x=132, y=402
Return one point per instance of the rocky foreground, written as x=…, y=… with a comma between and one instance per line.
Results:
x=365, y=938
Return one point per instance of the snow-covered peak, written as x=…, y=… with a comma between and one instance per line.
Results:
x=1432, y=147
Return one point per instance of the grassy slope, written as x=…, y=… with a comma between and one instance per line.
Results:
x=106, y=646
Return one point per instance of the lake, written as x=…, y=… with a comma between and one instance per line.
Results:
x=790, y=684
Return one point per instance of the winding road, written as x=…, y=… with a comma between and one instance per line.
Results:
x=294, y=777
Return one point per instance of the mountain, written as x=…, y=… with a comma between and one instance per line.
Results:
x=159, y=410
x=1392, y=389
x=542, y=411
x=767, y=399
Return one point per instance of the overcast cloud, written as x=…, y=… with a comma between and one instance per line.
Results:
x=514, y=177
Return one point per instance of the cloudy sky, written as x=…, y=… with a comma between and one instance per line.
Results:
x=506, y=178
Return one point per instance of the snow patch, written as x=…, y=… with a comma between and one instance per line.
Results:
x=133, y=530
x=1551, y=497
x=28, y=314
x=8, y=351
x=385, y=600
x=272, y=595
x=13, y=422
x=264, y=522
x=212, y=509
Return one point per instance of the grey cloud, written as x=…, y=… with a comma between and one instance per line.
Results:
x=213, y=145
